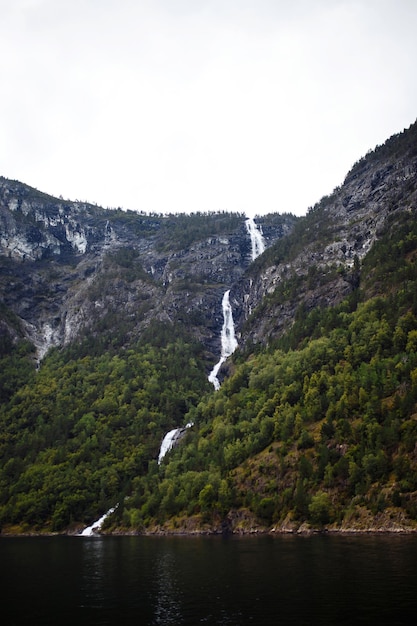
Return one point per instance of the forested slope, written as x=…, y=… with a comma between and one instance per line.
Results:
x=320, y=430
x=80, y=429
x=315, y=423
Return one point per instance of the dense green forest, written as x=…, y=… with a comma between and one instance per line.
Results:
x=320, y=428
x=75, y=433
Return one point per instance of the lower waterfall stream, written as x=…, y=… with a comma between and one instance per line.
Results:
x=171, y=439
x=95, y=527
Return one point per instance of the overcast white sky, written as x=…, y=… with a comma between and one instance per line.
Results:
x=188, y=105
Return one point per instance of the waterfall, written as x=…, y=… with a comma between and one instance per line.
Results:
x=95, y=526
x=228, y=340
x=256, y=238
x=171, y=439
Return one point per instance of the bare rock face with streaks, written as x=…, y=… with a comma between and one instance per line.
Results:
x=319, y=263
x=70, y=268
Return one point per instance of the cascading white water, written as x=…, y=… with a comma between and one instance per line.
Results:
x=256, y=238
x=228, y=346
x=167, y=443
x=171, y=439
x=228, y=339
x=95, y=526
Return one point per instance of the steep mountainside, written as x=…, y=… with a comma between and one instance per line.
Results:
x=70, y=265
x=110, y=322
x=318, y=264
x=69, y=269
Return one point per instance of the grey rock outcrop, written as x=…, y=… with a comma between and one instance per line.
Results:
x=318, y=265
x=67, y=267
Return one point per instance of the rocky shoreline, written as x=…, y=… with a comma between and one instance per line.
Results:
x=224, y=531
x=213, y=533
x=242, y=523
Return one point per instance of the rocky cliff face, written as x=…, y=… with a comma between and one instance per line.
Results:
x=68, y=269
x=319, y=263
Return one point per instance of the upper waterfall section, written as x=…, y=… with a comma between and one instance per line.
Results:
x=256, y=237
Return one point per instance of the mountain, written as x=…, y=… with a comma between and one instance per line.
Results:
x=111, y=321
x=69, y=268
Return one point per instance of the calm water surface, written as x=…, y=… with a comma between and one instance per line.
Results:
x=208, y=580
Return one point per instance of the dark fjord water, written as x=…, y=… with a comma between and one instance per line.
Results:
x=326, y=580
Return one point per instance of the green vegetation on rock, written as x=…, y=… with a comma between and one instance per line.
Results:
x=315, y=423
